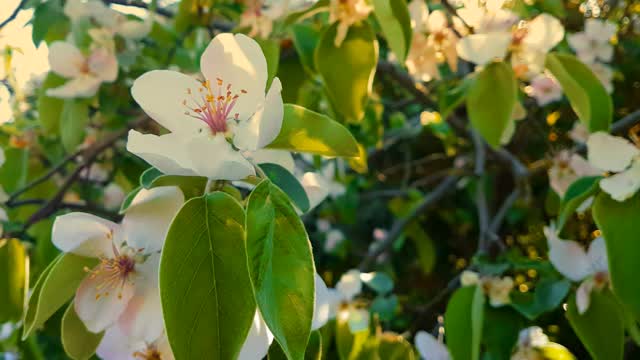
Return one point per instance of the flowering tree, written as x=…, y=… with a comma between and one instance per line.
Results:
x=320, y=179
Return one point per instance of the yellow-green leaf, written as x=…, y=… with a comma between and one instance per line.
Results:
x=78, y=342
x=14, y=279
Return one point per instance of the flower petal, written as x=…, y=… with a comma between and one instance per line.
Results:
x=350, y=284
x=214, y=158
x=430, y=348
x=238, y=61
x=142, y=319
x=583, y=295
x=65, y=59
x=543, y=33
x=115, y=346
x=85, y=235
x=567, y=256
x=256, y=346
x=99, y=302
x=104, y=65
x=610, y=153
x=280, y=157
x=83, y=86
x=481, y=49
x=161, y=93
x=316, y=187
x=166, y=153
x=264, y=126
x=147, y=220
x=598, y=255
x=323, y=304
x=623, y=185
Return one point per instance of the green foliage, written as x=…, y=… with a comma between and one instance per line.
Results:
x=49, y=22
x=73, y=123
x=49, y=109
x=14, y=172
x=588, y=97
x=14, y=279
x=464, y=317
x=78, y=342
x=349, y=345
x=393, y=16
x=601, y=327
x=348, y=70
x=547, y=296
x=306, y=131
x=579, y=191
x=209, y=315
x=281, y=267
x=488, y=117
x=282, y=178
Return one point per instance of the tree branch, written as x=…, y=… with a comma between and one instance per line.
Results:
x=13, y=14
x=141, y=5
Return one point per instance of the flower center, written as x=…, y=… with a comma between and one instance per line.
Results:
x=214, y=109
x=114, y=272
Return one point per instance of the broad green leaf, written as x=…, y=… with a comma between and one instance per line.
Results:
x=618, y=222
x=349, y=345
x=307, y=131
x=369, y=350
x=489, y=116
x=281, y=267
x=500, y=331
x=385, y=307
x=305, y=39
x=271, y=50
x=49, y=109
x=73, y=123
x=56, y=285
x=14, y=171
x=463, y=321
x=588, y=97
x=450, y=97
x=378, y=281
x=148, y=176
x=78, y=342
x=547, y=296
x=314, y=347
x=191, y=186
x=288, y=183
x=205, y=288
x=348, y=70
x=579, y=191
x=14, y=279
x=394, y=347
x=393, y=16
x=128, y=199
x=49, y=22
x=601, y=327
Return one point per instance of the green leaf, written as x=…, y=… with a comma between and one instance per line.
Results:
x=49, y=22
x=349, y=345
x=394, y=347
x=577, y=193
x=385, y=307
x=129, y=199
x=14, y=279
x=348, y=70
x=305, y=38
x=49, y=108
x=281, y=267
x=618, y=222
x=14, y=171
x=463, y=321
x=271, y=50
x=288, y=183
x=547, y=296
x=56, y=285
x=500, y=331
x=601, y=327
x=78, y=342
x=378, y=282
x=489, y=116
x=148, y=176
x=588, y=97
x=191, y=186
x=73, y=123
x=314, y=347
x=205, y=288
x=393, y=16
x=307, y=131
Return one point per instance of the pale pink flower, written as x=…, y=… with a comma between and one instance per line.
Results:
x=545, y=89
x=347, y=13
x=566, y=169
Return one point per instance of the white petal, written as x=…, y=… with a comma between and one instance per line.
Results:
x=600, y=29
x=238, y=61
x=166, y=153
x=100, y=306
x=579, y=42
x=214, y=158
x=419, y=14
x=134, y=29
x=610, y=153
x=161, y=93
x=483, y=48
x=567, y=256
x=85, y=235
x=142, y=319
x=256, y=346
x=350, y=284
x=147, y=219
x=544, y=32
x=623, y=185
x=598, y=255
x=83, y=86
x=264, y=126
x=65, y=59
x=430, y=348
x=323, y=303
x=280, y=157
x=583, y=295
x=115, y=346
x=316, y=187
x=104, y=65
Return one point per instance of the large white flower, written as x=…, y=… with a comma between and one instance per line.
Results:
x=571, y=260
x=116, y=345
x=545, y=89
x=347, y=13
x=594, y=43
x=430, y=348
x=213, y=123
x=122, y=289
x=618, y=155
x=85, y=72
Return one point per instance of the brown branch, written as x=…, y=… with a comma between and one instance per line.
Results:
x=13, y=14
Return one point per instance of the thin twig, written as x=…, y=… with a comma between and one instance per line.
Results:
x=481, y=194
x=13, y=14
x=140, y=4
